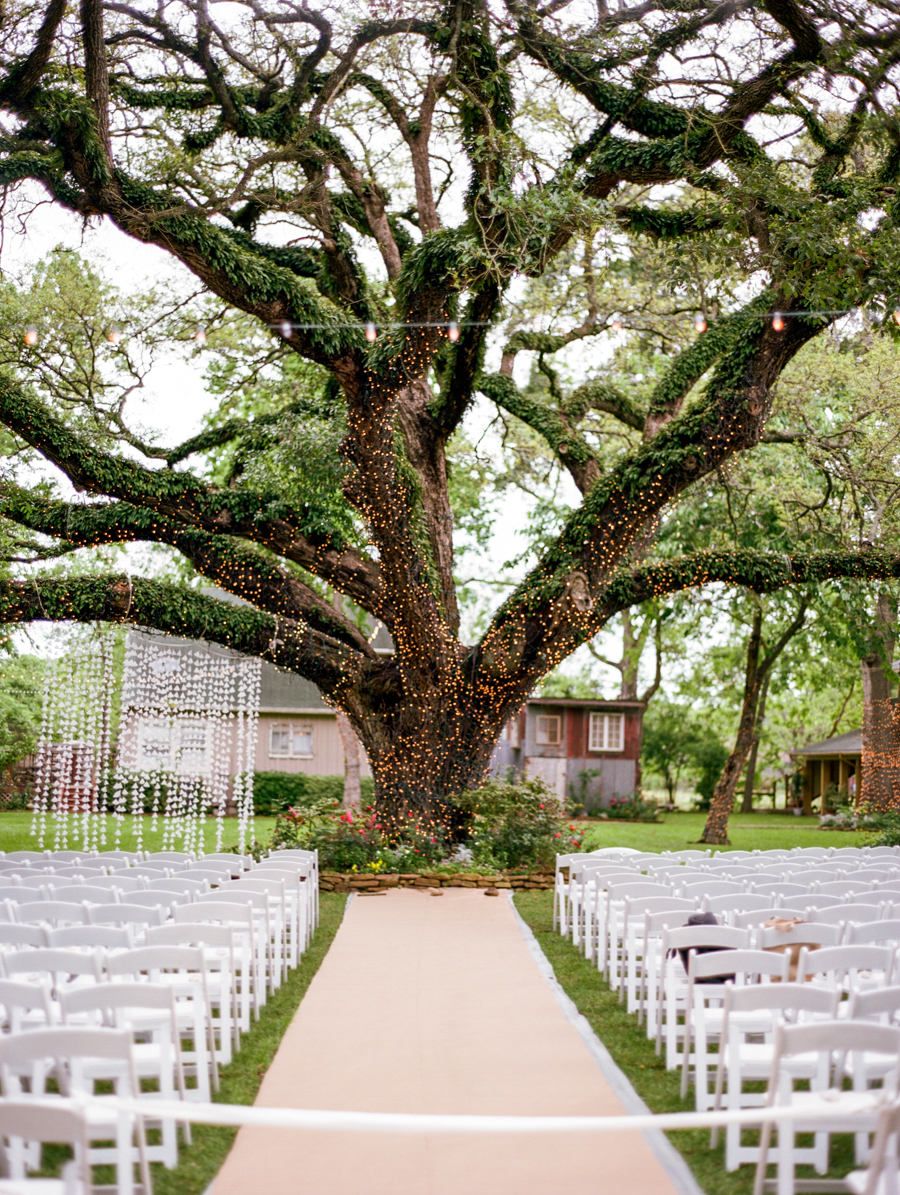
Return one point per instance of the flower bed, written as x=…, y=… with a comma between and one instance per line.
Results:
x=336, y=881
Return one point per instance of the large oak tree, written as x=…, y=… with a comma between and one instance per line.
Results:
x=322, y=172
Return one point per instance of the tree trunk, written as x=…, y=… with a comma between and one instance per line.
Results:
x=750, y=776
x=880, y=786
x=715, y=831
x=350, y=743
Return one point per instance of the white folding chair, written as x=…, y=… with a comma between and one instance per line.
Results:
x=708, y=976
x=62, y=969
x=755, y=918
x=282, y=909
x=311, y=858
x=240, y=919
x=78, y=1058
x=40, y=1124
x=844, y=913
x=94, y=894
x=856, y=934
x=634, y=917
x=51, y=912
x=843, y=888
x=90, y=937
x=134, y=916
x=588, y=882
x=217, y=943
x=267, y=941
x=299, y=891
x=609, y=941
x=14, y=934
x=120, y=881
x=734, y=902
x=749, y=1017
x=25, y=1006
x=832, y=1042
x=847, y=968
x=674, y=981
x=651, y=962
x=239, y=864
x=183, y=968
x=148, y=1012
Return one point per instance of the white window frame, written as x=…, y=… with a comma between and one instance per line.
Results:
x=599, y=728
x=542, y=736
x=177, y=757
x=293, y=729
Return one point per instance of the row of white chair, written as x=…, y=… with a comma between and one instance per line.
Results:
x=179, y=973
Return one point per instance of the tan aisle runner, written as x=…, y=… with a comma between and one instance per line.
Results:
x=425, y=1005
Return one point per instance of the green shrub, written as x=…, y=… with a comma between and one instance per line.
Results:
x=274, y=792
x=887, y=825
x=351, y=840
x=635, y=808
x=513, y=825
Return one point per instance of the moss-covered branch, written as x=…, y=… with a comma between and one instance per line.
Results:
x=184, y=499
x=245, y=571
x=558, y=432
x=116, y=598
x=760, y=572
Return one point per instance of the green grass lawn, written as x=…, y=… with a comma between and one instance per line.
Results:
x=747, y=831
x=15, y=833
x=628, y=1044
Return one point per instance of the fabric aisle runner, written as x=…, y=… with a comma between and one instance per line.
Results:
x=435, y=1005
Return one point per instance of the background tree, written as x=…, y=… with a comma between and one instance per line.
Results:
x=261, y=152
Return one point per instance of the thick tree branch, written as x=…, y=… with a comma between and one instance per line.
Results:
x=332, y=665
x=260, y=518
x=241, y=570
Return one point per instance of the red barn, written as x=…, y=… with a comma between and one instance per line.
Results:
x=584, y=749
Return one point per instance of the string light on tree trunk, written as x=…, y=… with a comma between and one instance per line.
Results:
x=778, y=322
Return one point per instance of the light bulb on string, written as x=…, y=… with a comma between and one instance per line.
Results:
x=200, y=336
x=616, y=325
x=453, y=331
x=31, y=335
x=371, y=333
x=895, y=316
x=285, y=328
x=114, y=335
x=699, y=322
x=778, y=322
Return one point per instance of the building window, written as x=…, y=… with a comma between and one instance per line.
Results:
x=180, y=745
x=290, y=740
x=549, y=730
x=606, y=733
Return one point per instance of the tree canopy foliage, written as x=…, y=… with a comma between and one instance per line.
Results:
x=329, y=174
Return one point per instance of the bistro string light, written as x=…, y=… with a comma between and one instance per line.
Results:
x=371, y=330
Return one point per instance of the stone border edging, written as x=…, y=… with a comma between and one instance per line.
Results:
x=337, y=881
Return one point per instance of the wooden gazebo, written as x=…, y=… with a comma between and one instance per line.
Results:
x=836, y=761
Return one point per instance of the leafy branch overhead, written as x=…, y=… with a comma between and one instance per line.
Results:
x=318, y=173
